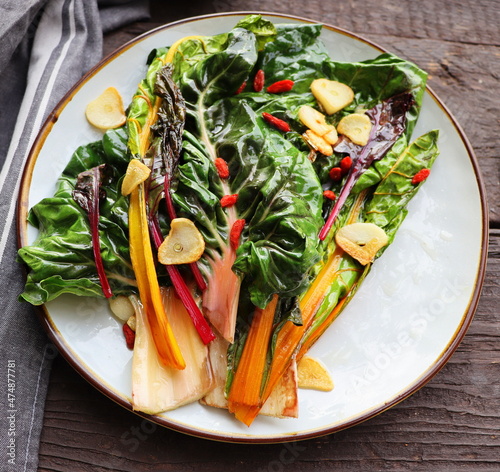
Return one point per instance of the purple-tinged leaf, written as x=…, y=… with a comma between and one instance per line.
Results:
x=88, y=193
x=388, y=124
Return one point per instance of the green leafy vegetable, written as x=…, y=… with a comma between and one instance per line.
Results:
x=275, y=180
x=61, y=260
x=88, y=194
x=395, y=189
x=279, y=195
x=388, y=123
x=264, y=30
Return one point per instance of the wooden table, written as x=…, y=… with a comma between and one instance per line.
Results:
x=453, y=423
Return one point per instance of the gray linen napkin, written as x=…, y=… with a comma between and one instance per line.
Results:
x=45, y=47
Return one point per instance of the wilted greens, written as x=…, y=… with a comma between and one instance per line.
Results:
x=206, y=108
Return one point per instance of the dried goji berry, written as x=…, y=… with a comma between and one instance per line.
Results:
x=329, y=194
x=258, y=80
x=222, y=168
x=242, y=87
x=276, y=122
x=420, y=176
x=280, y=86
x=335, y=174
x=129, y=336
x=234, y=235
x=345, y=164
x=228, y=200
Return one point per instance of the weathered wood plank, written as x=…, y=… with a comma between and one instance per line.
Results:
x=452, y=20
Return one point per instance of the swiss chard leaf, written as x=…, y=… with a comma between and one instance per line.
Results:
x=88, y=193
x=213, y=67
x=395, y=189
x=264, y=30
x=61, y=260
x=279, y=197
x=168, y=127
x=388, y=124
x=282, y=207
x=376, y=80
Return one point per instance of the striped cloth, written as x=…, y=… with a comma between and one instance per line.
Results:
x=45, y=47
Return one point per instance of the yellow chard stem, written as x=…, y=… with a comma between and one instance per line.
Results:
x=141, y=255
x=141, y=252
x=145, y=132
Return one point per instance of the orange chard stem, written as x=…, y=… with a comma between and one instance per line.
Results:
x=245, y=394
x=307, y=344
x=290, y=335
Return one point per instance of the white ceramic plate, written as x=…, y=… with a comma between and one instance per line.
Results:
x=401, y=327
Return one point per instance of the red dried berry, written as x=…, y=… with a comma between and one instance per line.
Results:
x=329, y=194
x=242, y=87
x=258, y=80
x=420, y=176
x=129, y=336
x=280, y=125
x=335, y=174
x=228, y=200
x=280, y=86
x=345, y=165
x=234, y=235
x=222, y=168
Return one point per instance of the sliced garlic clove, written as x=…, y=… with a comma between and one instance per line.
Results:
x=132, y=322
x=357, y=127
x=106, y=111
x=136, y=174
x=121, y=307
x=317, y=143
x=361, y=241
x=331, y=137
x=332, y=95
x=183, y=245
x=314, y=375
x=314, y=120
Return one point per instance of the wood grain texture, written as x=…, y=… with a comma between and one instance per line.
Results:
x=453, y=423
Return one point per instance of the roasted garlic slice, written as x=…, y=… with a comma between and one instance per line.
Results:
x=106, y=111
x=121, y=307
x=318, y=143
x=332, y=95
x=357, y=127
x=314, y=375
x=183, y=245
x=314, y=120
x=136, y=174
x=362, y=241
